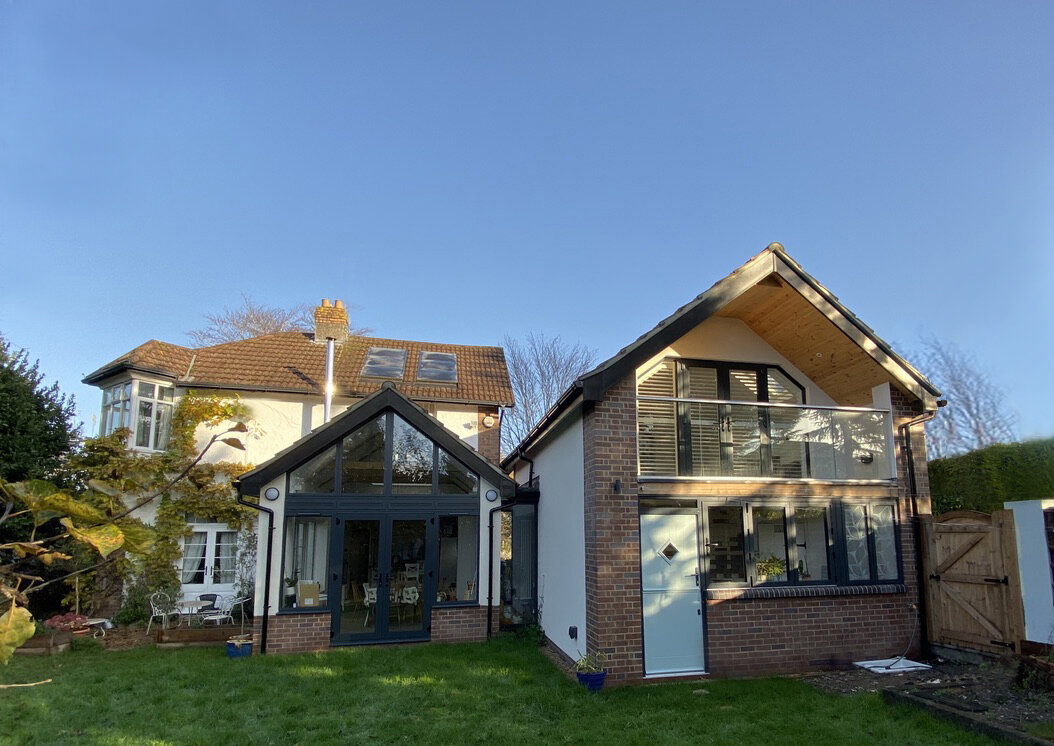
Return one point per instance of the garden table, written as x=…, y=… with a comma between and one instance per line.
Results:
x=191, y=610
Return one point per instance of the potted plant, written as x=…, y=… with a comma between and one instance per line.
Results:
x=771, y=565
x=240, y=646
x=590, y=670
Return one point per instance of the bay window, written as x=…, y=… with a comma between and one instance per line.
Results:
x=150, y=403
x=153, y=415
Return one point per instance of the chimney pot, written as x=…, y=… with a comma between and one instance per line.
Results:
x=331, y=322
x=338, y=304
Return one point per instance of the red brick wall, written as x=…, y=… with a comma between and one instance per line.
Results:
x=744, y=636
x=612, y=528
x=306, y=633
x=489, y=438
x=754, y=637
x=462, y=623
x=295, y=633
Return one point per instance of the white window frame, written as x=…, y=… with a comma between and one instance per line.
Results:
x=129, y=389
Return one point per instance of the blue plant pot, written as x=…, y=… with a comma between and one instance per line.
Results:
x=243, y=650
x=594, y=682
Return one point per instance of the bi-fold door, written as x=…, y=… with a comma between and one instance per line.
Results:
x=383, y=566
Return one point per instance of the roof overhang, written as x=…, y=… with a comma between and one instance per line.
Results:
x=773, y=270
x=362, y=411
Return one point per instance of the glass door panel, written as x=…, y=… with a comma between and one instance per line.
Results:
x=726, y=545
x=361, y=590
x=406, y=579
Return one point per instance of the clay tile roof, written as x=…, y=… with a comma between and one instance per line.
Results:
x=294, y=362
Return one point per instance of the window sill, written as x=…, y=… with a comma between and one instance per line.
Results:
x=804, y=591
x=455, y=604
x=306, y=610
x=767, y=480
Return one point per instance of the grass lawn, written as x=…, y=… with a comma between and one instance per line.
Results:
x=502, y=692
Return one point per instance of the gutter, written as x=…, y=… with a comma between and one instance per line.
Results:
x=548, y=419
x=267, y=566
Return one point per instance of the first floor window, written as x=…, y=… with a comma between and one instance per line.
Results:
x=153, y=415
x=116, y=408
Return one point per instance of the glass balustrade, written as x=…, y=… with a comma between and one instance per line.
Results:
x=713, y=438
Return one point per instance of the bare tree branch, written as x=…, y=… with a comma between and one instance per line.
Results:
x=977, y=414
x=540, y=370
x=252, y=319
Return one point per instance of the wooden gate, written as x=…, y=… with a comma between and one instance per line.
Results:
x=973, y=590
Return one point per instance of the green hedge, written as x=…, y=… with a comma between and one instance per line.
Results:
x=983, y=480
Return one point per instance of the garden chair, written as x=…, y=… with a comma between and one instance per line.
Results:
x=161, y=608
x=369, y=601
x=211, y=598
x=223, y=612
x=409, y=597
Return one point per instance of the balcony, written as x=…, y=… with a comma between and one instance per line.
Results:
x=683, y=439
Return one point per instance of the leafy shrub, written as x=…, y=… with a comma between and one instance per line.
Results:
x=135, y=607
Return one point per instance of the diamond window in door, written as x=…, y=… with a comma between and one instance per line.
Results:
x=669, y=551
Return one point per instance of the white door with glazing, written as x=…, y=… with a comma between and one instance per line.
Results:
x=209, y=560
x=672, y=593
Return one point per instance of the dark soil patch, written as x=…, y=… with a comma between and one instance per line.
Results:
x=126, y=638
x=987, y=690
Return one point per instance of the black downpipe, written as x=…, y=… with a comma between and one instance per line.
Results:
x=267, y=565
x=490, y=547
x=490, y=564
x=909, y=454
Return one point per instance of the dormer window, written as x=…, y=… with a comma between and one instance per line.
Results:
x=152, y=404
x=385, y=362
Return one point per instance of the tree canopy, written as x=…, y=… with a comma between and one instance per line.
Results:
x=37, y=429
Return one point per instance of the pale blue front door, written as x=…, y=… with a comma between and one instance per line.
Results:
x=672, y=596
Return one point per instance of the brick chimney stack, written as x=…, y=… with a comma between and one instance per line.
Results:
x=331, y=321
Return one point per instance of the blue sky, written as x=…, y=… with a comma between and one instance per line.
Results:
x=462, y=171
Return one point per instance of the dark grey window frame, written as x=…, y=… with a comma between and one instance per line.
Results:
x=839, y=532
x=389, y=426
x=837, y=561
x=723, y=369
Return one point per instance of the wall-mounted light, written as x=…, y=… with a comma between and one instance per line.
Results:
x=272, y=493
x=488, y=421
x=491, y=495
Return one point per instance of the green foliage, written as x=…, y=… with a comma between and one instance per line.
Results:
x=36, y=421
x=984, y=479
x=92, y=526
x=135, y=605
